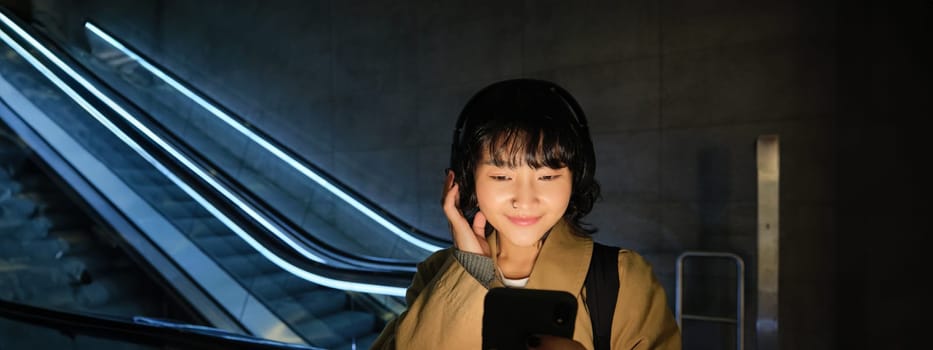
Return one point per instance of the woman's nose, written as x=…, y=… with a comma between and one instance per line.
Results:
x=524, y=195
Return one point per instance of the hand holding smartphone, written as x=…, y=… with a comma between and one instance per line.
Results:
x=511, y=315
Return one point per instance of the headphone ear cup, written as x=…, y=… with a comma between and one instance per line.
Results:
x=454, y=150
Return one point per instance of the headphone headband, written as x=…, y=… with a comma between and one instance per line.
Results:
x=519, y=85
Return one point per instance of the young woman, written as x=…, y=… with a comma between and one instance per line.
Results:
x=520, y=182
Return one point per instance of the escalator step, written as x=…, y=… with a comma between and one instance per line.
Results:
x=248, y=266
x=13, y=223
x=324, y=301
x=282, y=285
x=196, y=228
x=352, y=324
x=77, y=242
x=137, y=177
x=42, y=281
x=45, y=248
x=11, y=155
x=34, y=182
x=107, y=288
x=17, y=207
x=161, y=194
x=120, y=161
x=29, y=229
x=9, y=187
x=126, y=305
x=224, y=246
x=337, y=329
x=66, y=220
x=102, y=260
x=182, y=209
x=254, y=181
x=222, y=157
x=61, y=263
x=360, y=343
x=315, y=305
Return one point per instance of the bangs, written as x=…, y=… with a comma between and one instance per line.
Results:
x=536, y=147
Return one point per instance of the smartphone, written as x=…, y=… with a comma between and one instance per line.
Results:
x=511, y=315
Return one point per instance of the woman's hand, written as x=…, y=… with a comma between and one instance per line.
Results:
x=471, y=239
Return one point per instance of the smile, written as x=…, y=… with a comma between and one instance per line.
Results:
x=523, y=221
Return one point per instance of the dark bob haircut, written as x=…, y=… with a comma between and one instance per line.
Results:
x=531, y=122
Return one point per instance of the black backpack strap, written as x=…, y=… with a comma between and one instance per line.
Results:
x=602, y=290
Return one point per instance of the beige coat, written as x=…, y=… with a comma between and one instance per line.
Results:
x=445, y=302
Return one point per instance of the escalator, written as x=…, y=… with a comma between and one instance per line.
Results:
x=51, y=255
x=56, y=257
x=299, y=192
x=301, y=289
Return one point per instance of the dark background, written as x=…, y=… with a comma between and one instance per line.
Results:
x=676, y=92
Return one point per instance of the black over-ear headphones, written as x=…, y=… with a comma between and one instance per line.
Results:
x=521, y=85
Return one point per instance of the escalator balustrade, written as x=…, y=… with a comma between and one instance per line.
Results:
x=321, y=316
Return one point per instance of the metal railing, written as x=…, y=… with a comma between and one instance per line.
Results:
x=739, y=320
x=122, y=332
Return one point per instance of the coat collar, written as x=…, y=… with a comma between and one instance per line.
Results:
x=562, y=263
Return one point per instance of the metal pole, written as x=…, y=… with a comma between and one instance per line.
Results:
x=768, y=156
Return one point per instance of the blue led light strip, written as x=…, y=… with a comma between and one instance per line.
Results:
x=321, y=280
x=265, y=144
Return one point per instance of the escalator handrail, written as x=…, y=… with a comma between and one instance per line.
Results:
x=140, y=330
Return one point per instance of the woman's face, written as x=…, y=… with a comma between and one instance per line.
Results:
x=522, y=203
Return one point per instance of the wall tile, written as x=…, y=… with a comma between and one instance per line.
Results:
x=367, y=122
x=466, y=41
x=616, y=96
x=432, y=160
x=764, y=81
x=715, y=164
x=628, y=224
x=386, y=177
x=688, y=25
x=562, y=33
x=627, y=164
x=438, y=111
x=375, y=46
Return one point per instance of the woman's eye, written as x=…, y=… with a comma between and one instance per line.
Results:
x=549, y=177
x=499, y=177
